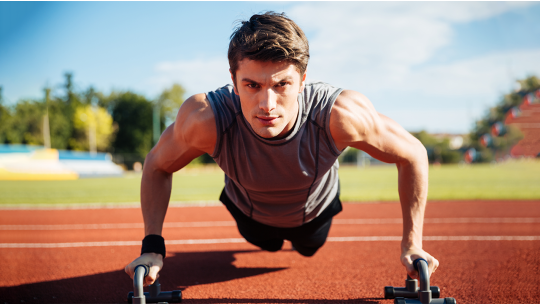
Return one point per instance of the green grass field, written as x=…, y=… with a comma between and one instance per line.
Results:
x=518, y=179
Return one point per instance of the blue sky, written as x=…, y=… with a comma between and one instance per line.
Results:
x=429, y=65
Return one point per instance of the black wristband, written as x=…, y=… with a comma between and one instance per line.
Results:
x=153, y=244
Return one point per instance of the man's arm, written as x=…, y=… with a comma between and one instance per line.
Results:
x=354, y=122
x=191, y=135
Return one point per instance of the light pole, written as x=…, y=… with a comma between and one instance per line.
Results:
x=156, y=122
x=46, y=128
x=92, y=126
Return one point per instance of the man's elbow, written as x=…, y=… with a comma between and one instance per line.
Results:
x=153, y=162
x=416, y=154
x=150, y=160
x=419, y=155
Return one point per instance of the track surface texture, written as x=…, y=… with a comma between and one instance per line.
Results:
x=488, y=250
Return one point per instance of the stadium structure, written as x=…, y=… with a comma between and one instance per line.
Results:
x=33, y=162
x=526, y=117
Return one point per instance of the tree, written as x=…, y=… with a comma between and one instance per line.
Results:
x=60, y=125
x=501, y=144
x=122, y=120
x=438, y=150
x=132, y=113
x=4, y=119
x=93, y=123
x=26, y=124
x=170, y=101
x=529, y=84
x=72, y=101
x=166, y=107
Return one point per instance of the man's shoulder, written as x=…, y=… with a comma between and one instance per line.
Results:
x=196, y=122
x=350, y=98
x=196, y=106
x=352, y=117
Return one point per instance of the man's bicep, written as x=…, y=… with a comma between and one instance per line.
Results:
x=391, y=143
x=171, y=153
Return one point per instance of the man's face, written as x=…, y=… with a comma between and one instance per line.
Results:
x=268, y=94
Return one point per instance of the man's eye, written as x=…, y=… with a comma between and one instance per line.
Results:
x=282, y=84
x=252, y=85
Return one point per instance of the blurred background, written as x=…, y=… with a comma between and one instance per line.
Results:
x=86, y=88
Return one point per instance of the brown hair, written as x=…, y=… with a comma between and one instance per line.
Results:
x=269, y=37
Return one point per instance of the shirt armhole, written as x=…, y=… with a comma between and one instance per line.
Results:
x=328, y=111
x=217, y=118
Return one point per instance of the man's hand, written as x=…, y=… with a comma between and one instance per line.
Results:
x=409, y=255
x=154, y=260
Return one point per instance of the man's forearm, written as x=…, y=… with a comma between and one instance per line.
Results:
x=413, y=187
x=156, y=188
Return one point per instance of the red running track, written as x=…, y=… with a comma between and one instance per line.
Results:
x=489, y=253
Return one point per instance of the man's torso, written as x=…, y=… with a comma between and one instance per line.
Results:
x=285, y=182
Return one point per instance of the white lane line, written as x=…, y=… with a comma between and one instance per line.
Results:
x=482, y=238
x=70, y=245
x=71, y=227
x=437, y=238
x=205, y=241
x=202, y=224
x=441, y=220
x=101, y=205
x=241, y=240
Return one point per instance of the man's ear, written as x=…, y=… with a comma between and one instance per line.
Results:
x=234, y=82
x=303, y=82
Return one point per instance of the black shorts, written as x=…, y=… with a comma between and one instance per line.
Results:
x=306, y=239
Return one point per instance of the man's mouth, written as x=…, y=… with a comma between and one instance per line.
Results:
x=267, y=120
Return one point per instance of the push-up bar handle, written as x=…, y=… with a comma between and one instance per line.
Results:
x=141, y=271
x=424, y=294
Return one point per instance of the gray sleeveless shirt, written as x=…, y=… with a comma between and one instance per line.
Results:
x=285, y=182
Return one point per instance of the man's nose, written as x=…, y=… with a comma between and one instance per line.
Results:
x=268, y=101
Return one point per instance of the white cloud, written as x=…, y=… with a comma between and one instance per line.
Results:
x=196, y=76
x=461, y=11
x=476, y=76
x=377, y=45
x=382, y=47
x=450, y=97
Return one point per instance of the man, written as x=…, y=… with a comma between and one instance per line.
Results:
x=277, y=138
